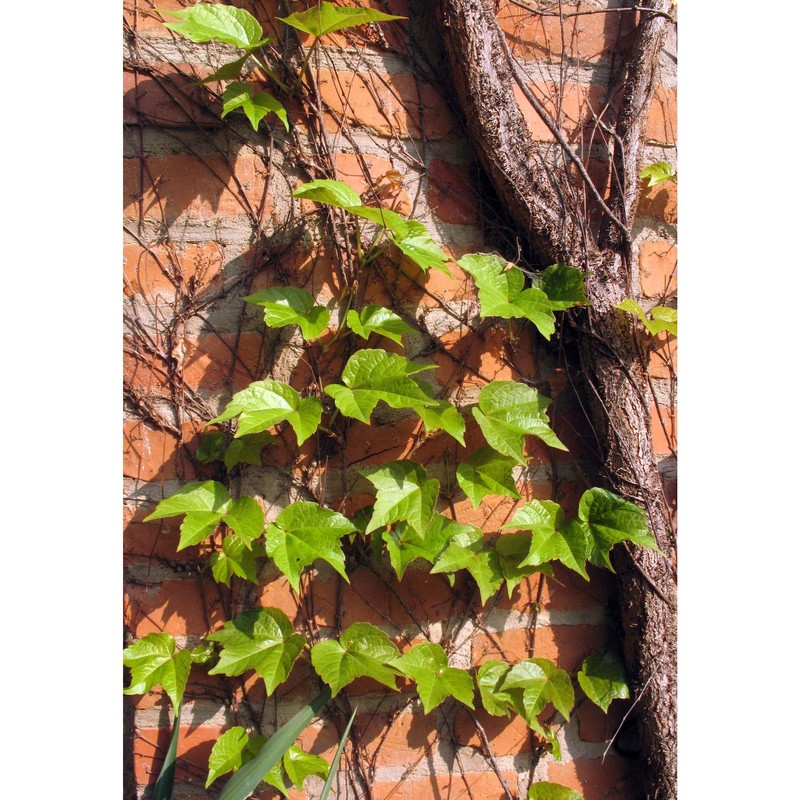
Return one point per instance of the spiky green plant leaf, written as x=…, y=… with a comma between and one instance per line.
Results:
x=507, y=412
x=513, y=549
x=260, y=639
x=154, y=662
x=304, y=532
x=404, y=492
x=487, y=472
x=374, y=375
x=602, y=677
x=206, y=22
x=417, y=244
x=426, y=664
x=330, y=192
x=266, y=403
x=327, y=18
x=361, y=651
x=490, y=677
x=377, y=319
x=286, y=305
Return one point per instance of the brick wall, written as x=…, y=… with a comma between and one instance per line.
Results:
x=208, y=218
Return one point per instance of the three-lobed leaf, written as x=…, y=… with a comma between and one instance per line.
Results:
x=205, y=22
x=266, y=403
x=287, y=305
x=602, y=677
x=260, y=639
x=238, y=557
x=377, y=319
x=255, y=107
x=466, y=550
x=153, y=662
x=565, y=286
x=406, y=545
x=362, y=651
x=246, y=449
x=487, y=472
x=661, y=318
x=304, y=532
x=507, y=412
x=327, y=18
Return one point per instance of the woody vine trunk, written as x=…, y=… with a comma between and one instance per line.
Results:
x=542, y=201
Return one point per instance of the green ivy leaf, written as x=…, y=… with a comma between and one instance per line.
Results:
x=610, y=520
x=286, y=305
x=332, y=193
x=442, y=416
x=247, y=449
x=426, y=664
x=404, y=492
x=203, y=653
x=386, y=218
x=304, y=532
x=405, y=545
x=255, y=107
x=663, y=318
x=299, y=765
x=153, y=662
x=377, y=319
x=361, y=651
x=231, y=70
x=657, y=173
x=551, y=539
x=327, y=18
x=551, y=738
x=467, y=551
x=564, y=286
x=544, y=790
x=602, y=677
x=266, y=403
x=246, y=518
x=487, y=472
x=215, y=22
x=227, y=753
x=275, y=779
x=527, y=676
x=373, y=375
x=513, y=549
x=489, y=679
x=507, y=412
x=238, y=557
x=558, y=689
x=418, y=245
x=261, y=639
x=502, y=292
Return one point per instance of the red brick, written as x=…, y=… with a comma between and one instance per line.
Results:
x=194, y=747
x=594, y=725
x=169, y=95
x=192, y=188
x=160, y=271
x=399, y=743
x=575, y=103
x=664, y=356
x=381, y=185
x=149, y=453
x=613, y=779
x=471, y=785
x=660, y=202
x=586, y=37
x=507, y=736
x=451, y=194
x=387, y=104
x=663, y=439
x=658, y=262
x=662, y=121
x=179, y=607
x=566, y=645
x=207, y=361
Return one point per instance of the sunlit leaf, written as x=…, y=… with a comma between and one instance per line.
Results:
x=154, y=662
x=304, y=532
x=507, y=412
x=299, y=765
x=405, y=545
x=489, y=679
x=330, y=192
x=206, y=22
x=377, y=319
x=602, y=677
x=663, y=319
x=327, y=18
x=238, y=557
x=260, y=639
x=467, y=551
x=544, y=790
x=226, y=754
x=657, y=173
x=361, y=651
x=255, y=107
x=418, y=245
x=487, y=472
x=286, y=305
x=442, y=416
x=266, y=403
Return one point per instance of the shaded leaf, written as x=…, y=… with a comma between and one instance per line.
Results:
x=602, y=677
x=247, y=449
x=565, y=286
x=374, y=375
x=260, y=639
x=361, y=651
x=377, y=319
x=286, y=305
x=513, y=549
x=441, y=416
x=489, y=679
x=211, y=447
x=405, y=545
x=334, y=769
x=327, y=18
x=266, y=403
x=405, y=493
x=304, y=532
x=154, y=662
x=487, y=472
x=229, y=71
x=426, y=664
x=226, y=754
x=507, y=412
x=482, y=564
x=166, y=777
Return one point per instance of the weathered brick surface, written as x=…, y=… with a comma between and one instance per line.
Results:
x=209, y=218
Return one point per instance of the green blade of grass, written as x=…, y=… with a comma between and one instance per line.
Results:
x=335, y=763
x=166, y=778
x=245, y=780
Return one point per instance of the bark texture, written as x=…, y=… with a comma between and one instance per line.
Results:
x=540, y=199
